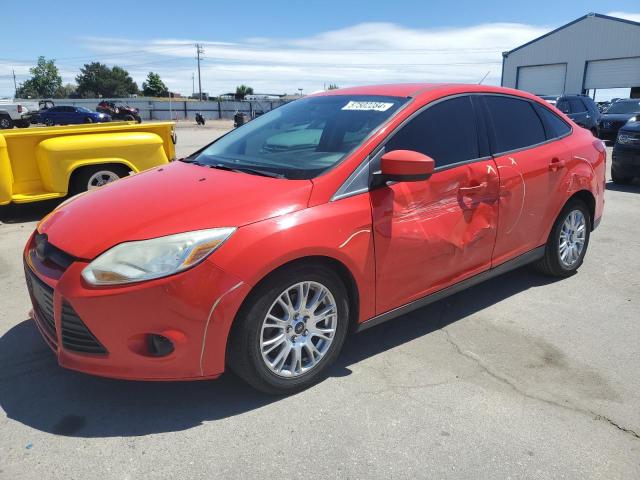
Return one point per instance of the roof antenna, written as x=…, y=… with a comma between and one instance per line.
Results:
x=485, y=76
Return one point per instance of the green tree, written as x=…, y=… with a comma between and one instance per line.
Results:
x=242, y=91
x=45, y=80
x=333, y=86
x=66, y=91
x=154, y=86
x=96, y=79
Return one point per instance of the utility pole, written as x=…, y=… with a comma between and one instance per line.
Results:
x=199, y=51
x=193, y=84
x=15, y=85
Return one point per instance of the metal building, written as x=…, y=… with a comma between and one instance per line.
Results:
x=592, y=52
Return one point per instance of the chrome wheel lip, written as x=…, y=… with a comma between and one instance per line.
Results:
x=572, y=239
x=101, y=178
x=296, y=335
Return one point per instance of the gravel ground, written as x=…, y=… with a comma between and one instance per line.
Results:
x=520, y=377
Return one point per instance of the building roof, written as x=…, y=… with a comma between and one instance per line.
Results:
x=588, y=15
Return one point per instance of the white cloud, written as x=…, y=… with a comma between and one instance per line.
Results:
x=626, y=15
x=359, y=54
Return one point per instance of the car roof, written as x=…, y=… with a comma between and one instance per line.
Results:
x=423, y=89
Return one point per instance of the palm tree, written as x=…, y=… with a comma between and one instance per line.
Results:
x=243, y=91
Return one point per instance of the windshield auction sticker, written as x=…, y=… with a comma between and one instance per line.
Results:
x=376, y=106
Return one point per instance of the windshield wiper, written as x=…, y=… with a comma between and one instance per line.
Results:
x=222, y=166
x=252, y=171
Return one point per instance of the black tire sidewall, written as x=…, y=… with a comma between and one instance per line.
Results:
x=555, y=237
x=250, y=325
x=9, y=123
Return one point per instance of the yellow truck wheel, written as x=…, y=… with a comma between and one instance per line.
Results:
x=94, y=176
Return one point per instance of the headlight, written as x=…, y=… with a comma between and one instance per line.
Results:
x=634, y=119
x=101, y=115
x=147, y=259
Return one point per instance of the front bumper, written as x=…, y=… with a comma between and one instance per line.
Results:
x=626, y=161
x=180, y=307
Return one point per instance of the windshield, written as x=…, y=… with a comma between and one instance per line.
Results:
x=624, y=107
x=301, y=139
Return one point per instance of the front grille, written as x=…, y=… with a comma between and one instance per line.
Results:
x=46, y=251
x=76, y=336
x=42, y=300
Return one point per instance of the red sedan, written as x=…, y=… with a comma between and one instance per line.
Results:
x=337, y=211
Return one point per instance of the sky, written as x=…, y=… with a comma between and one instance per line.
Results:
x=277, y=46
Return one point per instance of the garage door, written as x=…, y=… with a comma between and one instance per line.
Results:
x=542, y=79
x=619, y=73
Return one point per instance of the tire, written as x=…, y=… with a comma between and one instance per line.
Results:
x=49, y=122
x=22, y=124
x=620, y=179
x=246, y=347
x=84, y=178
x=6, y=123
x=552, y=263
x=88, y=120
x=138, y=118
x=128, y=118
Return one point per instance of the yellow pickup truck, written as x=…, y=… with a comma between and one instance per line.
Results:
x=44, y=163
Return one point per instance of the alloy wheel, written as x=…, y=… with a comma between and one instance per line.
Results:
x=101, y=178
x=298, y=329
x=572, y=238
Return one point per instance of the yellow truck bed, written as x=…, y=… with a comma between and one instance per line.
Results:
x=42, y=163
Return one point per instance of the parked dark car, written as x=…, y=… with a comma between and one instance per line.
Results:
x=617, y=115
x=65, y=115
x=626, y=154
x=579, y=108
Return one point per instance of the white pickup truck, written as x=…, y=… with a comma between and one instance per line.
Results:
x=13, y=113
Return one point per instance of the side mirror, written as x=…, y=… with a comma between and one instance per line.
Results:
x=406, y=166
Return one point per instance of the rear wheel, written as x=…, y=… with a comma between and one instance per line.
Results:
x=88, y=178
x=128, y=118
x=88, y=120
x=5, y=122
x=568, y=241
x=49, y=122
x=290, y=330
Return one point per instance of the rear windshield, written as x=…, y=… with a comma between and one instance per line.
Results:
x=301, y=139
x=624, y=107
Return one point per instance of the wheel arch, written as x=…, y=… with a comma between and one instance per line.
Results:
x=589, y=200
x=331, y=263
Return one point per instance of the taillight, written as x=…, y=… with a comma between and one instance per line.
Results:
x=600, y=146
x=19, y=108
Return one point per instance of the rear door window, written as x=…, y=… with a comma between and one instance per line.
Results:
x=515, y=123
x=445, y=131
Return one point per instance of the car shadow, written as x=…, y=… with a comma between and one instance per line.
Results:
x=35, y=391
x=633, y=187
x=28, y=212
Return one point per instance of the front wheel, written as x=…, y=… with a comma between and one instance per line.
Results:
x=568, y=241
x=290, y=330
x=88, y=120
x=619, y=179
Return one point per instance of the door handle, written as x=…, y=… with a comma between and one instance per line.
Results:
x=556, y=163
x=475, y=189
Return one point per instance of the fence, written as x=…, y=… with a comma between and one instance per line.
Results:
x=153, y=109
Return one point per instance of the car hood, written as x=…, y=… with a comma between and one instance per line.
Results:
x=617, y=117
x=631, y=127
x=178, y=197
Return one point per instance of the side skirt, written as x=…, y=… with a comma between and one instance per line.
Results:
x=519, y=261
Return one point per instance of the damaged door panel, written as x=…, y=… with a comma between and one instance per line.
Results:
x=433, y=233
